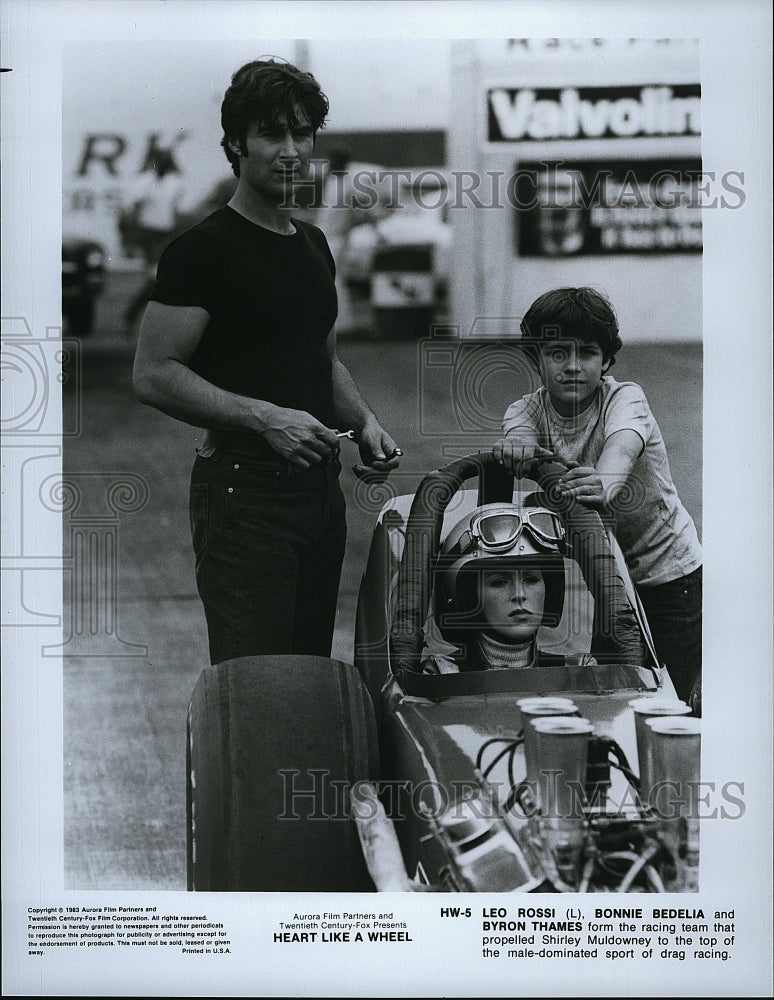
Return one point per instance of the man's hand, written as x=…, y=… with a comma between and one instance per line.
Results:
x=584, y=484
x=377, y=449
x=516, y=456
x=300, y=438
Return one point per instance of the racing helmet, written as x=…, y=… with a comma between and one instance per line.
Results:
x=497, y=536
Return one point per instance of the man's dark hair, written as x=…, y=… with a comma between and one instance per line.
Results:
x=260, y=92
x=573, y=314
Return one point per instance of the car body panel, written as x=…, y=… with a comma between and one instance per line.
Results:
x=83, y=267
x=84, y=276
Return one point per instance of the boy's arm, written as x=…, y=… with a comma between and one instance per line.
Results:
x=520, y=443
x=514, y=453
x=598, y=487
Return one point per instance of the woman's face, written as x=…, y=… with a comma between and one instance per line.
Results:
x=512, y=602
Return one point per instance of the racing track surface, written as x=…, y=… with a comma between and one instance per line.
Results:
x=124, y=715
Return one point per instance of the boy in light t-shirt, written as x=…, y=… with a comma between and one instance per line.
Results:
x=605, y=432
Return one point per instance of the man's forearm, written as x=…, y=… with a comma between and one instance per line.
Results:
x=352, y=411
x=179, y=392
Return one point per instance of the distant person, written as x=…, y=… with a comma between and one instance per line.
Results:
x=152, y=217
x=238, y=338
x=605, y=432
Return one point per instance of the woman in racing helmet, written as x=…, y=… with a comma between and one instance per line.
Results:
x=500, y=576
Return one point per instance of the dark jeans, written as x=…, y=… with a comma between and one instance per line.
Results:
x=269, y=543
x=673, y=611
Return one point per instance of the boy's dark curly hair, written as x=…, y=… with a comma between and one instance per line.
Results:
x=573, y=314
x=260, y=92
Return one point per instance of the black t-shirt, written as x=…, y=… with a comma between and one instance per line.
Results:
x=272, y=303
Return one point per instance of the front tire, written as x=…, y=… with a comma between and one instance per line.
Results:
x=274, y=745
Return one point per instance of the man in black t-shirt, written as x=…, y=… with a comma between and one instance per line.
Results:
x=238, y=338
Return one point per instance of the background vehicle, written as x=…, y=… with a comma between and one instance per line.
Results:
x=417, y=217
x=277, y=743
x=83, y=281
x=400, y=256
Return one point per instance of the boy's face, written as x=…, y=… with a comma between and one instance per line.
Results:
x=571, y=371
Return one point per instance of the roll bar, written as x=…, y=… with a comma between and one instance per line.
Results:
x=617, y=637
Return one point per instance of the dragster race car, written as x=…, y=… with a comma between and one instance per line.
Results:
x=414, y=768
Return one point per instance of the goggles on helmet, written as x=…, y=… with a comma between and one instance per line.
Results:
x=497, y=531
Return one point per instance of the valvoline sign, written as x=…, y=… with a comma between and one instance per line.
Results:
x=523, y=114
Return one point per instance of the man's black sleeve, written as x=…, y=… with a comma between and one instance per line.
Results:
x=189, y=272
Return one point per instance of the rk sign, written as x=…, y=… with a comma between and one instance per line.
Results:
x=519, y=115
